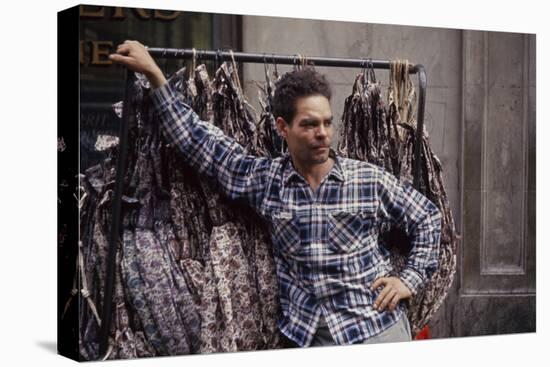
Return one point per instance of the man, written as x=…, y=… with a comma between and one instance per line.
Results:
x=324, y=211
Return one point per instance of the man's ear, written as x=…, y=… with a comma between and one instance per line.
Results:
x=282, y=127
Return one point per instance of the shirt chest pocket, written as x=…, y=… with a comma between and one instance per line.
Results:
x=286, y=227
x=349, y=231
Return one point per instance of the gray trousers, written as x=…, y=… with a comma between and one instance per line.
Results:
x=398, y=332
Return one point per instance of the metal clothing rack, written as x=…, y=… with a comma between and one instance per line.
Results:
x=263, y=58
x=219, y=55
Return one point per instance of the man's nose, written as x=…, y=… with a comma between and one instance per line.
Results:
x=322, y=131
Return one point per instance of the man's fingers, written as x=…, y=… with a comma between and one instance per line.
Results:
x=384, y=297
x=392, y=293
x=131, y=44
x=394, y=302
x=117, y=57
x=127, y=46
x=377, y=283
x=125, y=60
x=123, y=49
x=387, y=299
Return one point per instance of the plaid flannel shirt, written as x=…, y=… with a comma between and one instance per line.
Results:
x=326, y=247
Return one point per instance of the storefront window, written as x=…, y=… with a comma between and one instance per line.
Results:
x=102, y=28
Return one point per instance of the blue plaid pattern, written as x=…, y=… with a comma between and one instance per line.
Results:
x=326, y=245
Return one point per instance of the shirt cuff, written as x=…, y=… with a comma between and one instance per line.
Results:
x=411, y=279
x=163, y=97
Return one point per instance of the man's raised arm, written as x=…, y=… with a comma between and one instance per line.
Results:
x=204, y=146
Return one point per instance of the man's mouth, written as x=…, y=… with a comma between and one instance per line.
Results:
x=320, y=147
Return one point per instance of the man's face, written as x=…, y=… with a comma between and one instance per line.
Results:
x=310, y=134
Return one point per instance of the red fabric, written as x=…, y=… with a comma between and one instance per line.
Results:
x=424, y=334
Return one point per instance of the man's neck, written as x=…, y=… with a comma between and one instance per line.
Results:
x=314, y=174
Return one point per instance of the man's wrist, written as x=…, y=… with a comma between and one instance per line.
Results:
x=411, y=279
x=156, y=78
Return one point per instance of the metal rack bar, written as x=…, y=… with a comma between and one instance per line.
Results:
x=251, y=57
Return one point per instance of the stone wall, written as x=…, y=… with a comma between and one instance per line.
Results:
x=450, y=57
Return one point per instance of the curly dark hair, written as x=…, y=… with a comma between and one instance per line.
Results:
x=296, y=84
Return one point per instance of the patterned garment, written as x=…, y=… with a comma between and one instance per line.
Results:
x=326, y=243
x=178, y=232
x=156, y=287
x=238, y=321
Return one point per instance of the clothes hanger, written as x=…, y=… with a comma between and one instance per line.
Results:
x=193, y=64
x=268, y=85
x=275, y=71
x=370, y=66
x=217, y=59
x=164, y=67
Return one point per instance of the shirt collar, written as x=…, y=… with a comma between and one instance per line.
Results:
x=289, y=172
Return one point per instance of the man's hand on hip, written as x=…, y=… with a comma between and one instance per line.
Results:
x=135, y=56
x=393, y=291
